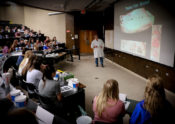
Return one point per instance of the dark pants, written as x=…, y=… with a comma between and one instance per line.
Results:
x=101, y=61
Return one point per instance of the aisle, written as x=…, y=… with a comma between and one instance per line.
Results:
x=94, y=78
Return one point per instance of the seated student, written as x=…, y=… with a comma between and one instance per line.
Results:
x=21, y=116
x=34, y=74
x=14, y=29
x=18, y=34
x=13, y=46
x=47, y=39
x=28, y=66
x=48, y=44
x=26, y=43
x=7, y=29
x=27, y=55
x=154, y=109
x=51, y=89
x=37, y=44
x=106, y=106
x=47, y=86
x=5, y=49
x=22, y=29
x=26, y=33
x=31, y=40
x=21, y=43
x=21, y=57
x=39, y=34
x=55, y=41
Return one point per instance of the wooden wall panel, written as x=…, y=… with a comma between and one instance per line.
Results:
x=143, y=67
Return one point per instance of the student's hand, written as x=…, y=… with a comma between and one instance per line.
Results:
x=8, y=96
x=59, y=97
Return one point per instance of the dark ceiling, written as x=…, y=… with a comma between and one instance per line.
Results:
x=67, y=5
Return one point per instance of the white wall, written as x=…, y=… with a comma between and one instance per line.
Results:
x=13, y=13
x=38, y=19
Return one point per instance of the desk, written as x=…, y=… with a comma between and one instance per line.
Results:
x=12, y=58
x=32, y=106
x=76, y=98
x=55, y=59
x=71, y=100
x=70, y=51
x=131, y=106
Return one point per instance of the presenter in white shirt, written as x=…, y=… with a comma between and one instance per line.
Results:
x=98, y=46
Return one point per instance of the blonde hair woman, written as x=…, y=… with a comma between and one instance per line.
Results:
x=106, y=106
x=154, y=106
x=27, y=55
x=28, y=65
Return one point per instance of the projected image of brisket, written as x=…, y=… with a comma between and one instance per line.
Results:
x=135, y=21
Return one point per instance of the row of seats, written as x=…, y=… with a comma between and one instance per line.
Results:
x=46, y=102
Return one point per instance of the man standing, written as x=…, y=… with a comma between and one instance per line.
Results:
x=97, y=45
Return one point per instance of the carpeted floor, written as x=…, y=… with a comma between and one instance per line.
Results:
x=94, y=78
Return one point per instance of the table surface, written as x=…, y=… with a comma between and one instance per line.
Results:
x=18, y=53
x=130, y=109
x=32, y=105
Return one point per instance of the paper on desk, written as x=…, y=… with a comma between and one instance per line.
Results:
x=122, y=97
x=44, y=117
x=126, y=105
x=66, y=88
x=16, y=53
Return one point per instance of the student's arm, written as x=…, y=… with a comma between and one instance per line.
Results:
x=94, y=102
x=135, y=116
x=58, y=91
x=59, y=96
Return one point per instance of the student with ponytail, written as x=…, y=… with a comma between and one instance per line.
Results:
x=47, y=86
x=106, y=106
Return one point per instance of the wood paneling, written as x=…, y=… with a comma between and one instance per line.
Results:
x=86, y=37
x=143, y=67
x=69, y=35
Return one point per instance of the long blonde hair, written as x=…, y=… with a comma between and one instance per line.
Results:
x=154, y=100
x=110, y=91
x=28, y=54
x=28, y=65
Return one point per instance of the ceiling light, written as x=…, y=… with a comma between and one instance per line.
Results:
x=54, y=13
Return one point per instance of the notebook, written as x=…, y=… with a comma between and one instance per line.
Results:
x=43, y=116
x=123, y=97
